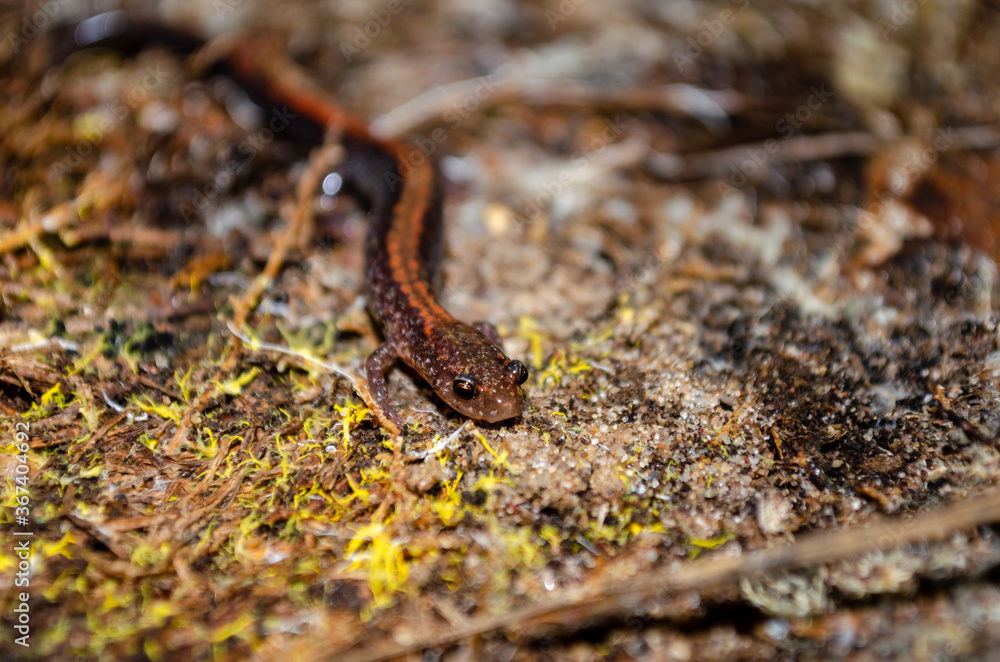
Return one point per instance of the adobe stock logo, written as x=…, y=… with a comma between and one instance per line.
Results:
x=553, y=188
x=758, y=157
x=245, y=152
x=362, y=36
x=712, y=29
x=35, y=24
x=118, y=111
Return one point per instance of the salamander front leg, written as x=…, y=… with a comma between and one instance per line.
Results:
x=375, y=367
x=490, y=332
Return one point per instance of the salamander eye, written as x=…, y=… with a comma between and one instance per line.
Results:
x=466, y=387
x=518, y=372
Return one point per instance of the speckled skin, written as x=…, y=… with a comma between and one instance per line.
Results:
x=403, y=255
x=405, y=242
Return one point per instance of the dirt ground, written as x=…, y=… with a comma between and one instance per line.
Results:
x=746, y=249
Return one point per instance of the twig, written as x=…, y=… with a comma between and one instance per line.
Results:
x=359, y=383
x=712, y=107
x=99, y=435
x=47, y=345
x=227, y=363
x=443, y=443
x=675, y=167
x=258, y=345
x=638, y=594
x=320, y=164
x=145, y=381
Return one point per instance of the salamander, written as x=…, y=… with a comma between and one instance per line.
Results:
x=464, y=363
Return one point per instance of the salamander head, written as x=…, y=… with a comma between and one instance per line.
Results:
x=476, y=379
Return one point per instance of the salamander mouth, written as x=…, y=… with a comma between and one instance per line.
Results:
x=503, y=411
x=498, y=418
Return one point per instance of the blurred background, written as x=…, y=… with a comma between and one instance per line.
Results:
x=747, y=248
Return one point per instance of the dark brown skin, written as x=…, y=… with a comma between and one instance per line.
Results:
x=465, y=364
